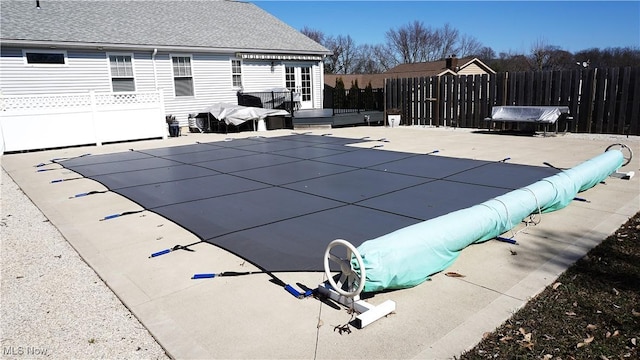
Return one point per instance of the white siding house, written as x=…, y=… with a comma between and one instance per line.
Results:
x=195, y=52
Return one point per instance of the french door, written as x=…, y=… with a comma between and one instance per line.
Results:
x=298, y=81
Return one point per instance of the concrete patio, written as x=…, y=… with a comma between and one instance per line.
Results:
x=250, y=317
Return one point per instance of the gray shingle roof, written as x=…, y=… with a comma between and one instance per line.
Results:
x=206, y=24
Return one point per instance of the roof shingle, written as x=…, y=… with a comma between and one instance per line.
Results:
x=206, y=24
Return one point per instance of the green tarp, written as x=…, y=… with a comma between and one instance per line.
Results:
x=407, y=257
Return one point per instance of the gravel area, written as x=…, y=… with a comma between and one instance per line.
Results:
x=52, y=303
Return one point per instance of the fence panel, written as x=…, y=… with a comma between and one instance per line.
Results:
x=599, y=100
x=468, y=100
x=422, y=108
x=31, y=122
x=634, y=107
x=623, y=94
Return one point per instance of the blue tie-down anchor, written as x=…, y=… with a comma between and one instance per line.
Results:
x=113, y=216
x=290, y=289
x=63, y=180
x=203, y=276
x=507, y=240
x=300, y=295
x=166, y=251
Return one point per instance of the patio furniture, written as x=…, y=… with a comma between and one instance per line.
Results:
x=544, y=115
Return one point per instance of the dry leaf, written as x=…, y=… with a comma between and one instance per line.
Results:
x=633, y=341
x=556, y=285
x=588, y=340
x=486, y=335
x=634, y=312
x=547, y=357
x=526, y=344
x=570, y=313
x=591, y=327
x=608, y=334
x=453, y=274
x=615, y=291
x=527, y=337
x=602, y=357
x=616, y=333
x=505, y=338
x=522, y=331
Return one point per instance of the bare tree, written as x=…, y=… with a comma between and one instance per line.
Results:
x=366, y=62
x=331, y=61
x=609, y=57
x=485, y=54
x=511, y=62
x=313, y=34
x=415, y=42
x=411, y=43
x=384, y=57
x=345, y=53
x=540, y=53
x=445, y=40
x=470, y=46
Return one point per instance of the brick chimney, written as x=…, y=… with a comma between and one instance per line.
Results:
x=452, y=63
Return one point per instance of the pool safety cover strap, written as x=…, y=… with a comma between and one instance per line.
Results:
x=408, y=256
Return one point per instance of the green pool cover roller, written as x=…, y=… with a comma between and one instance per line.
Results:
x=407, y=257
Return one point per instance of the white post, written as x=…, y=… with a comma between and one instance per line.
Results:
x=1, y=132
x=94, y=116
x=164, y=130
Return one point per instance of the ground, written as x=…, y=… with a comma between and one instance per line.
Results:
x=592, y=311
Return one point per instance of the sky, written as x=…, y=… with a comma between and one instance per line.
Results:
x=505, y=26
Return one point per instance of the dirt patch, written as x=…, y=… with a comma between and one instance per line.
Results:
x=592, y=311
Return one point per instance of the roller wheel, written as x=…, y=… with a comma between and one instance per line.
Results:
x=624, y=149
x=349, y=278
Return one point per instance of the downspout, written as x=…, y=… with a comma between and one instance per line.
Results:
x=155, y=75
x=155, y=83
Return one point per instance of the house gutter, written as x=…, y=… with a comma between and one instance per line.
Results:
x=114, y=46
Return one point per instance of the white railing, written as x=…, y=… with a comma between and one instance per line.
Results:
x=29, y=122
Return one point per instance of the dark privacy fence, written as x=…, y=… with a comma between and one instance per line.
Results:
x=353, y=100
x=600, y=100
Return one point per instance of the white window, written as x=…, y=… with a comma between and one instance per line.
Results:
x=45, y=57
x=182, y=75
x=290, y=78
x=121, y=73
x=236, y=73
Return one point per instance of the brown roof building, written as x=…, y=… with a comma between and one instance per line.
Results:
x=449, y=66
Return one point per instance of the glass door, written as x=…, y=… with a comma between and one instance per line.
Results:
x=298, y=80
